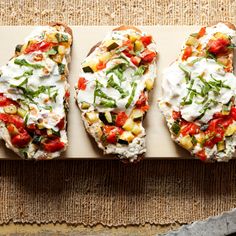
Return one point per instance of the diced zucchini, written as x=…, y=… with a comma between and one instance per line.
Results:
x=87, y=69
x=133, y=37
x=121, y=141
x=186, y=142
x=149, y=84
x=11, y=109
x=175, y=128
x=220, y=35
x=221, y=146
x=92, y=117
x=201, y=138
x=90, y=67
x=61, y=50
x=138, y=45
x=136, y=129
x=41, y=125
x=126, y=136
x=108, y=116
x=21, y=112
x=111, y=44
x=137, y=114
x=230, y=130
x=192, y=41
x=105, y=56
x=129, y=125
x=57, y=58
x=85, y=105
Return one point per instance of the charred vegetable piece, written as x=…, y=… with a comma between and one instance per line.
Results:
x=111, y=45
x=87, y=69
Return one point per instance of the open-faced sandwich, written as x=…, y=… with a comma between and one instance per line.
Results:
x=34, y=94
x=199, y=92
x=112, y=91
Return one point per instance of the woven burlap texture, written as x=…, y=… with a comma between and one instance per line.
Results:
x=108, y=192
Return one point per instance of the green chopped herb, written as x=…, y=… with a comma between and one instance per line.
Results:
x=140, y=71
x=26, y=73
x=113, y=84
x=210, y=55
x=186, y=72
x=175, y=128
x=131, y=98
x=23, y=62
x=108, y=104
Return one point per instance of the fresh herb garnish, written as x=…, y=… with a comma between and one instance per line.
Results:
x=140, y=71
x=210, y=55
x=131, y=98
x=113, y=84
x=26, y=73
x=186, y=72
x=23, y=62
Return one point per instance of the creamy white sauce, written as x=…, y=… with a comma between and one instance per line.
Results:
x=175, y=88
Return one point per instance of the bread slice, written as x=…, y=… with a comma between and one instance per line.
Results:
x=34, y=94
x=198, y=98
x=112, y=91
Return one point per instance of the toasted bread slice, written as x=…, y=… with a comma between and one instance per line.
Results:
x=199, y=89
x=112, y=92
x=34, y=94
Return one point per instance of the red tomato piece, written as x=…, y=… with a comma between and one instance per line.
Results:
x=176, y=115
x=233, y=113
x=101, y=65
x=202, y=32
x=202, y=155
x=53, y=145
x=112, y=137
x=146, y=40
x=147, y=56
x=187, y=53
x=61, y=124
x=14, y=119
x=41, y=46
x=22, y=139
x=218, y=46
x=4, y=101
x=82, y=83
x=141, y=101
x=129, y=44
x=135, y=60
x=190, y=128
x=121, y=119
x=67, y=94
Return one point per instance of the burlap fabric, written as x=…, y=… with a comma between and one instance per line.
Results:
x=108, y=192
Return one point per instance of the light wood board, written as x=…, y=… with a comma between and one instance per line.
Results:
x=169, y=40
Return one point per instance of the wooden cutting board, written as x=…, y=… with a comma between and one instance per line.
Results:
x=169, y=40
